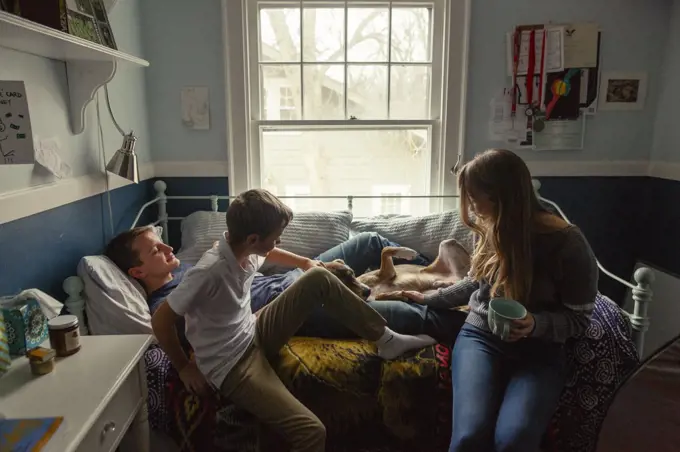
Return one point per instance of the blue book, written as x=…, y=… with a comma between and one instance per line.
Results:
x=27, y=435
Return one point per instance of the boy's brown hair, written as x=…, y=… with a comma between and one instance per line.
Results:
x=257, y=212
x=120, y=249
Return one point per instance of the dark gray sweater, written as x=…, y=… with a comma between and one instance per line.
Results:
x=563, y=291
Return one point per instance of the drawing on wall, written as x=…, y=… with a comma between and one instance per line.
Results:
x=16, y=138
x=563, y=95
x=195, y=107
x=623, y=91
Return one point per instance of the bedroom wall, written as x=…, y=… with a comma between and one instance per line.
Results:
x=661, y=224
x=41, y=250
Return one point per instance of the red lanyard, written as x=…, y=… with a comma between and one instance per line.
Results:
x=530, y=68
x=540, y=86
x=515, y=64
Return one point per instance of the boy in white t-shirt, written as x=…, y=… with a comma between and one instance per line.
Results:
x=233, y=347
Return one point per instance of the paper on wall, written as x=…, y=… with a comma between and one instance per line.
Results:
x=195, y=107
x=560, y=135
x=580, y=45
x=502, y=125
x=554, y=51
x=16, y=138
x=47, y=155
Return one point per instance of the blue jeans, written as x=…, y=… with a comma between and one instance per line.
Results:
x=504, y=394
x=361, y=253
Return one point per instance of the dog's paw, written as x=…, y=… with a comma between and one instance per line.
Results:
x=405, y=253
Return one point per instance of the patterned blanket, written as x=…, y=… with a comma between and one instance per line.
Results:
x=370, y=405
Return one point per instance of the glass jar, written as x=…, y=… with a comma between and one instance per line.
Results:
x=64, y=334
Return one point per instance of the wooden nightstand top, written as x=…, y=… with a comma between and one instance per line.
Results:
x=78, y=389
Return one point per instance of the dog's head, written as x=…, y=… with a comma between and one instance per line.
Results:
x=345, y=274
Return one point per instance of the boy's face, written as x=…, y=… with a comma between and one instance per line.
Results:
x=262, y=246
x=157, y=258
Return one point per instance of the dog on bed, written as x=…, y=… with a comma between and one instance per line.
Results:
x=451, y=265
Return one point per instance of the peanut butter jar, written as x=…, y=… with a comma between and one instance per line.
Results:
x=64, y=335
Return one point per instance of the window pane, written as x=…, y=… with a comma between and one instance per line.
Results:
x=349, y=162
x=367, y=91
x=411, y=35
x=280, y=34
x=410, y=92
x=281, y=83
x=324, y=34
x=367, y=33
x=324, y=91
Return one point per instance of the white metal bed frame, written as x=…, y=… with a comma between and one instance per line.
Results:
x=641, y=290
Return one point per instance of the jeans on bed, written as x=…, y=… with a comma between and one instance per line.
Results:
x=361, y=253
x=504, y=394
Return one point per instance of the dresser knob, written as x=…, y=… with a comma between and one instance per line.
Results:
x=109, y=427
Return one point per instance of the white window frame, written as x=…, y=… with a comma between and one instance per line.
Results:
x=447, y=106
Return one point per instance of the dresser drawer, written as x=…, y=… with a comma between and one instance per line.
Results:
x=109, y=428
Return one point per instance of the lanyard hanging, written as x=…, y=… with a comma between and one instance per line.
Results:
x=517, y=40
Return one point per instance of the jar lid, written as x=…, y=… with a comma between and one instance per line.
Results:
x=62, y=322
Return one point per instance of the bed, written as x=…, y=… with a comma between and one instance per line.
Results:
x=367, y=404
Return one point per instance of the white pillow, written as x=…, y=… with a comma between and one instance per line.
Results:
x=309, y=234
x=423, y=233
x=114, y=302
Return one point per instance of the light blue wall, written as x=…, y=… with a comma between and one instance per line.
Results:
x=183, y=43
x=47, y=91
x=634, y=35
x=667, y=129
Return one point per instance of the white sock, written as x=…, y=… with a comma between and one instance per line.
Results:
x=391, y=344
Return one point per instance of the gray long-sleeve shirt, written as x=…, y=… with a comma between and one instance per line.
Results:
x=563, y=291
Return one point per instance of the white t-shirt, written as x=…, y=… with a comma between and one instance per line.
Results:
x=214, y=298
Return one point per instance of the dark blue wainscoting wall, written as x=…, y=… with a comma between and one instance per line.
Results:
x=658, y=234
x=41, y=250
x=610, y=212
x=191, y=186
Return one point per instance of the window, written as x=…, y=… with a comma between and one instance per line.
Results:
x=297, y=204
x=286, y=104
x=361, y=100
x=389, y=200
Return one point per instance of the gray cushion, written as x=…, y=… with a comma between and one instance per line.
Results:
x=309, y=234
x=422, y=233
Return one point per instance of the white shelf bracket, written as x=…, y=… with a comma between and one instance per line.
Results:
x=84, y=79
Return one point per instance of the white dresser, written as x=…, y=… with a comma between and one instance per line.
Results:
x=100, y=392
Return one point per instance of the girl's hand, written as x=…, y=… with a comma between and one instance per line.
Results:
x=522, y=328
x=413, y=296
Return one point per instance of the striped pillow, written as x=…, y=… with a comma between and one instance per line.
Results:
x=423, y=233
x=309, y=234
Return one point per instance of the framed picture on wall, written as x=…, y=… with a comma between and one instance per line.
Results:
x=623, y=91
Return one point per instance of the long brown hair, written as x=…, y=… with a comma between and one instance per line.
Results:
x=503, y=255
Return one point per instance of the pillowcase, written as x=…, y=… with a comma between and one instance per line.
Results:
x=423, y=233
x=309, y=234
x=114, y=302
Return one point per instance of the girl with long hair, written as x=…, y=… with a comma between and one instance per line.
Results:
x=506, y=391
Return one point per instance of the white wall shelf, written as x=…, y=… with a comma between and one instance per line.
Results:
x=89, y=66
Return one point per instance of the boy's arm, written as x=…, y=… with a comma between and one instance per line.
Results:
x=163, y=323
x=285, y=258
